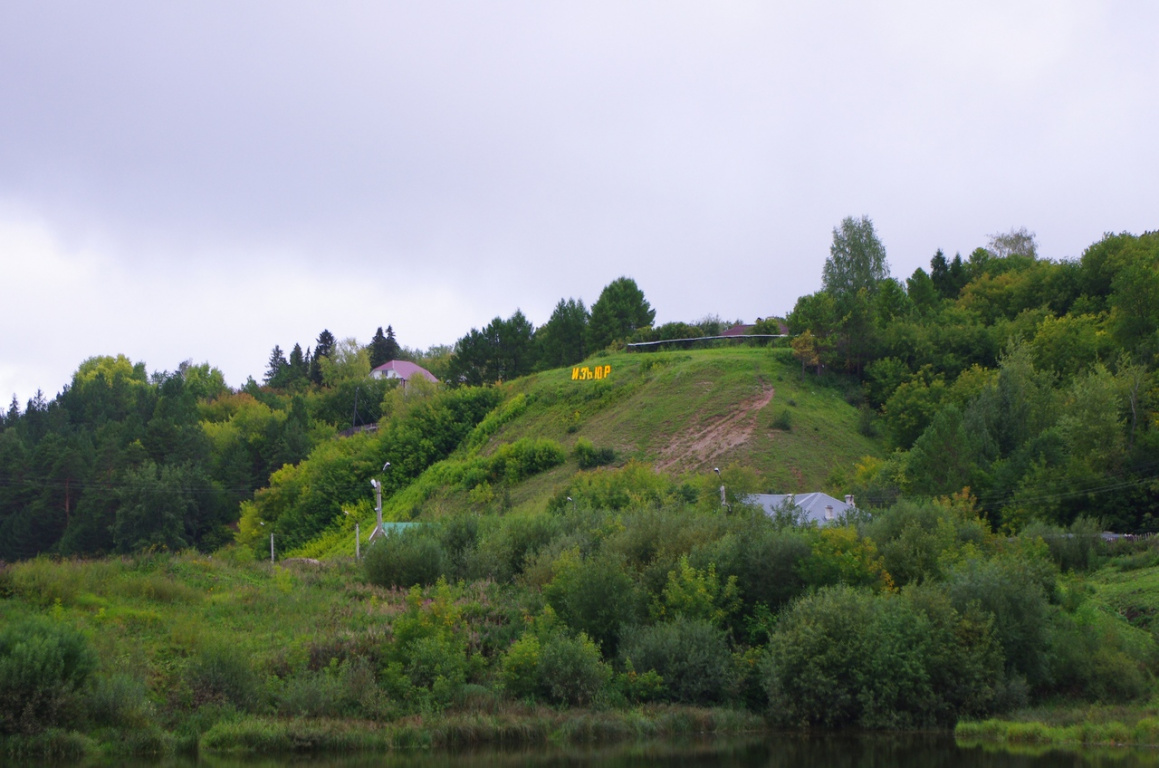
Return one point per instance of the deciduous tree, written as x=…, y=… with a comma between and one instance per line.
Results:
x=856, y=259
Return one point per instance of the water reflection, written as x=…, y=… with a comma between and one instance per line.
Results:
x=769, y=751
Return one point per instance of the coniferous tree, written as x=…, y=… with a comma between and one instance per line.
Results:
x=393, y=349
x=949, y=277
x=298, y=368
x=500, y=352
x=620, y=311
x=562, y=340
x=379, y=349
x=921, y=290
x=276, y=367
x=322, y=348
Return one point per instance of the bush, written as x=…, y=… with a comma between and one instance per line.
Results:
x=519, y=667
x=220, y=672
x=405, y=558
x=428, y=660
x=313, y=694
x=915, y=537
x=691, y=657
x=765, y=562
x=588, y=456
x=1010, y=590
x=508, y=544
x=782, y=420
x=1077, y=548
x=843, y=657
x=594, y=596
x=1097, y=655
x=550, y=664
x=840, y=556
x=43, y=663
x=118, y=701
x=523, y=458
x=570, y=670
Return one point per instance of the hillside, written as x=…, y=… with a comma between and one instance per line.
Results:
x=690, y=411
x=747, y=410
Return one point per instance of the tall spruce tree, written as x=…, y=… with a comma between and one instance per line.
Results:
x=322, y=349
x=298, y=367
x=379, y=349
x=392, y=346
x=276, y=367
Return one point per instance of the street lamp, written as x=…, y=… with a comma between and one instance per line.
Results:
x=262, y=523
x=377, y=486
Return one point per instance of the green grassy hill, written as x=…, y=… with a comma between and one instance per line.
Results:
x=690, y=411
x=682, y=413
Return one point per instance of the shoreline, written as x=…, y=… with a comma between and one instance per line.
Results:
x=244, y=734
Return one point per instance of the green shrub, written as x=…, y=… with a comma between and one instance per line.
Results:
x=842, y=656
x=690, y=655
x=508, y=543
x=313, y=694
x=519, y=667
x=523, y=458
x=915, y=537
x=221, y=672
x=337, y=690
x=428, y=661
x=782, y=420
x=633, y=485
x=594, y=596
x=52, y=744
x=1077, y=548
x=588, y=456
x=43, y=663
x=44, y=582
x=1097, y=655
x=1011, y=591
x=549, y=664
x=118, y=701
x=570, y=670
x=764, y=561
x=405, y=558
x=697, y=594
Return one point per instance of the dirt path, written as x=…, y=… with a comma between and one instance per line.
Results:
x=701, y=443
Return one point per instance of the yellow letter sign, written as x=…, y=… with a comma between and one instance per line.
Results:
x=587, y=374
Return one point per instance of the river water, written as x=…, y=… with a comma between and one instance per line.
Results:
x=767, y=751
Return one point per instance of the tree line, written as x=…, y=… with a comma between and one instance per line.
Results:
x=507, y=349
x=1029, y=381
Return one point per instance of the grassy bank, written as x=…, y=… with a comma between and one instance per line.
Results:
x=238, y=734
x=1067, y=726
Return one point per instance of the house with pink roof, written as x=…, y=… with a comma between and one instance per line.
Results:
x=403, y=370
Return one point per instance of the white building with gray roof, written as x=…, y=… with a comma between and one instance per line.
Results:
x=819, y=508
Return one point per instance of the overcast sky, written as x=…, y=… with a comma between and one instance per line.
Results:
x=204, y=180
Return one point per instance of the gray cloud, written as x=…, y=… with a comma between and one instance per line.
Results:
x=246, y=174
